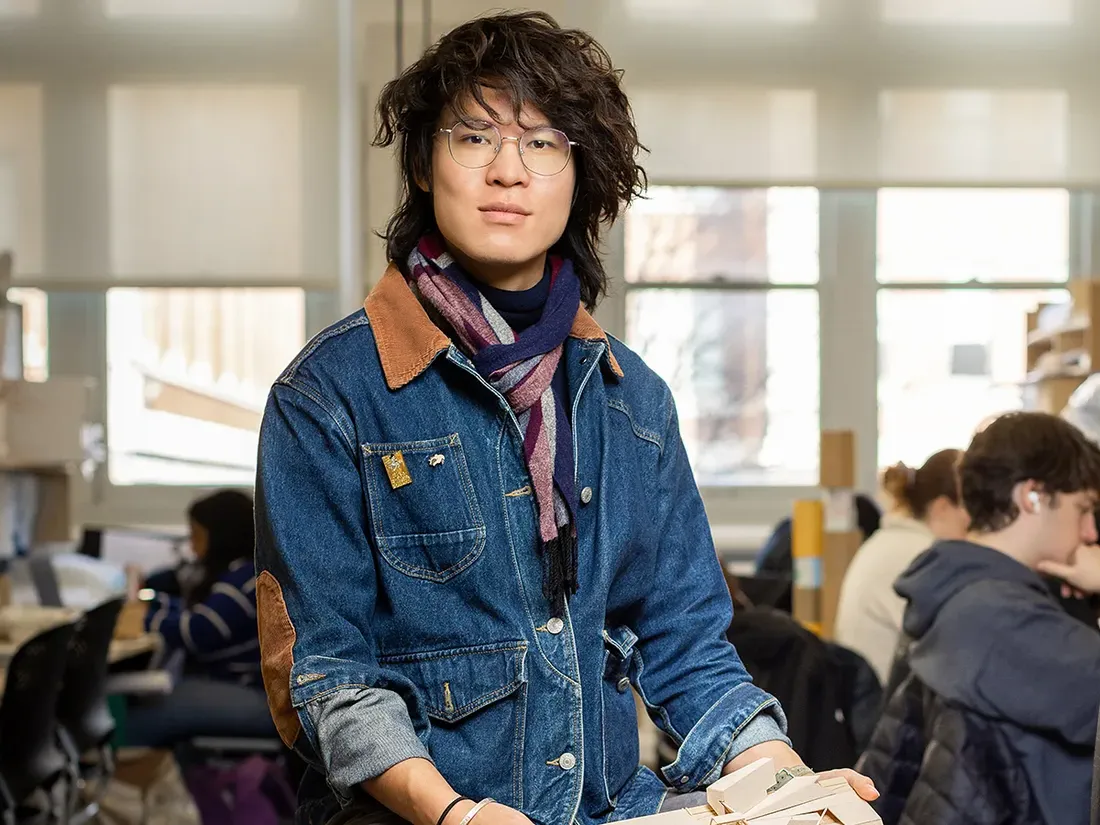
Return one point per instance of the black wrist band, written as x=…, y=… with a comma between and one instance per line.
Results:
x=448, y=809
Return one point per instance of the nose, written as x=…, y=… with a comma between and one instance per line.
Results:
x=507, y=168
x=1089, y=535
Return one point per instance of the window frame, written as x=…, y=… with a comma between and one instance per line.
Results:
x=848, y=290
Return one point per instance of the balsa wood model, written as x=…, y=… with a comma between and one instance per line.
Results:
x=743, y=798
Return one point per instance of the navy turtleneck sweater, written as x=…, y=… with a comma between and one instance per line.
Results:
x=522, y=309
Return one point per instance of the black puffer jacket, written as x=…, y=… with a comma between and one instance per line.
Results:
x=936, y=763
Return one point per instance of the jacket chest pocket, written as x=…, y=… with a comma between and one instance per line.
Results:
x=476, y=699
x=425, y=516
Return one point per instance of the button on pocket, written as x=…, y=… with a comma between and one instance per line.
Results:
x=430, y=525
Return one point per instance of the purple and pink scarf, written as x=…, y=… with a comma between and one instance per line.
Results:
x=522, y=370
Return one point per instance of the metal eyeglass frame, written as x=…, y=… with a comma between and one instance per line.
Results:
x=519, y=147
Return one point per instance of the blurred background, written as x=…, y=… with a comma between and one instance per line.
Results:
x=853, y=206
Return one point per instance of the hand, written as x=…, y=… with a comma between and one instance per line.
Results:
x=1083, y=571
x=785, y=757
x=492, y=814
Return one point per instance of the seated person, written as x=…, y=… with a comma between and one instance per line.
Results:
x=215, y=630
x=989, y=635
x=925, y=508
x=774, y=558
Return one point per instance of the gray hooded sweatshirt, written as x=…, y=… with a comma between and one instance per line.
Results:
x=989, y=636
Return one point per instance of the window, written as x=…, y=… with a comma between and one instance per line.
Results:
x=188, y=372
x=954, y=355
x=722, y=304
x=35, y=337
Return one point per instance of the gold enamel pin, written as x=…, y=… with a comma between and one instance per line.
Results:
x=397, y=470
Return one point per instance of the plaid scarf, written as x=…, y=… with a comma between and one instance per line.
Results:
x=521, y=370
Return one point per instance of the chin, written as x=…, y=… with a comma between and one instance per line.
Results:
x=501, y=252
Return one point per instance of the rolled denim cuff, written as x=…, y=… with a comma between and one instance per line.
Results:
x=762, y=728
x=724, y=731
x=360, y=733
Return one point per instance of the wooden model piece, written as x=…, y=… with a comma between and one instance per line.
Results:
x=743, y=798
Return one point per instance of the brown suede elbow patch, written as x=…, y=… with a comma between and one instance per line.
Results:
x=276, y=655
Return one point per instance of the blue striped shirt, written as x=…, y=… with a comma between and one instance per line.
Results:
x=220, y=633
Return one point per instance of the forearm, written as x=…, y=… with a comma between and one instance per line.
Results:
x=417, y=792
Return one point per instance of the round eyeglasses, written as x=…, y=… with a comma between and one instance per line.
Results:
x=475, y=144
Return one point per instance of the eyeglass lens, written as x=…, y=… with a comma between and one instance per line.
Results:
x=544, y=151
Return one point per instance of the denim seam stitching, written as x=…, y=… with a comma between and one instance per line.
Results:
x=640, y=431
x=721, y=761
x=318, y=399
x=670, y=728
x=317, y=340
x=578, y=712
x=413, y=657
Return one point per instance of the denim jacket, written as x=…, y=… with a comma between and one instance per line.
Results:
x=400, y=600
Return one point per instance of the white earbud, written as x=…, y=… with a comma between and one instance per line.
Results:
x=1033, y=497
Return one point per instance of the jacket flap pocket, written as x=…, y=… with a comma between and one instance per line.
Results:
x=457, y=683
x=621, y=640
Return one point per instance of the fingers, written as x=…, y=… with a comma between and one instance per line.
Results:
x=865, y=789
x=1053, y=568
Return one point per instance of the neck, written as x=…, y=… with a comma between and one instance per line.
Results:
x=1007, y=542
x=512, y=277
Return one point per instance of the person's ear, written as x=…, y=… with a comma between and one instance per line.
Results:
x=1027, y=497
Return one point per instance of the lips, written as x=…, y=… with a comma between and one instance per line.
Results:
x=509, y=208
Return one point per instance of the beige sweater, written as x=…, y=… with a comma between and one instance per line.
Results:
x=869, y=612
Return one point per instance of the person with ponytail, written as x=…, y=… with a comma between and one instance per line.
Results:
x=924, y=506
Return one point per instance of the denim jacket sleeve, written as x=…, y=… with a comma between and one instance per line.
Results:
x=689, y=675
x=315, y=592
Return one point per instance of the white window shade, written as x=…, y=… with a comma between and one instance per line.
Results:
x=956, y=135
x=21, y=175
x=978, y=12
x=725, y=133
x=206, y=182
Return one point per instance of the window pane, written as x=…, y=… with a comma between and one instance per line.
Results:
x=36, y=364
x=743, y=367
x=960, y=235
x=948, y=359
x=188, y=372
x=702, y=233
x=205, y=181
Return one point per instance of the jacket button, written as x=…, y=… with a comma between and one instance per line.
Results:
x=567, y=761
x=555, y=625
x=624, y=685
x=586, y=495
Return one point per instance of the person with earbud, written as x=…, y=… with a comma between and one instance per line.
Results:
x=988, y=634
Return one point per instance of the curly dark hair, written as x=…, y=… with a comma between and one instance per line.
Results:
x=1023, y=446
x=563, y=72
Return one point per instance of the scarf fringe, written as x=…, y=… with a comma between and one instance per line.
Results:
x=560, y=563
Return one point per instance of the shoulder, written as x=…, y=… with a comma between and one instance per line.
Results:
x=332, y=350
x=999, y=606
x=644, y=393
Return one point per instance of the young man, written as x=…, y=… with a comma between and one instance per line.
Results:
x=477, y=526
x=989, y=634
